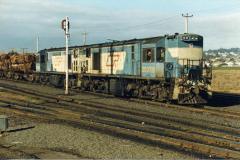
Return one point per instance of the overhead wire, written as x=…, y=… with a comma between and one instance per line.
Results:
x=155, y=22
x=135, y=26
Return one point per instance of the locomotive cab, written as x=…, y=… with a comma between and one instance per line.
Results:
x=176, y=62
x=186, y=53
x=153, y=58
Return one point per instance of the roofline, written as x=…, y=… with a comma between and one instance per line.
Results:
x=114, y=43
x=106, y=44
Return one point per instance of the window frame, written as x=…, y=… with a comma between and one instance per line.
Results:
x=162, y=58
x=69, y=61
x=144, y=54
x=133, y=52
x=42, y=58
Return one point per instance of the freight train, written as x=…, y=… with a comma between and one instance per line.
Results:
x=163, y=68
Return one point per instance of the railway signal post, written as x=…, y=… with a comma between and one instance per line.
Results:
x=65, y=27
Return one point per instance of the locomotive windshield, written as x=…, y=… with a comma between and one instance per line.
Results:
x=192, y=40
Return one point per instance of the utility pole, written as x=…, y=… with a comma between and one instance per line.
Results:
x=84, y=38
x=23, y=50
x=186, y=16
x=65, y=27
x=37, y=49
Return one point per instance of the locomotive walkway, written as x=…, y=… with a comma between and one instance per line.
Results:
x=158, y=129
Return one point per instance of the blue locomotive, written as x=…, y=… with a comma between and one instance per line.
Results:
x=164, y=68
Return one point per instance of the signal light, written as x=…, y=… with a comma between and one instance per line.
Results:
x=64, y=26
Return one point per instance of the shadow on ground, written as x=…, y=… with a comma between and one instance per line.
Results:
x=224, y=100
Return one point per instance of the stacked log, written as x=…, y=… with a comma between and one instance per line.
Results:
x=17, y=62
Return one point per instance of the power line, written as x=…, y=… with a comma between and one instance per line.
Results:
x=104, y=29
x=158, y=21
x=169, y=18
x=149, y=23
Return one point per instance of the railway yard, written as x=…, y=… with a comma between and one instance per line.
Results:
x=134, y=86
x=44, y=123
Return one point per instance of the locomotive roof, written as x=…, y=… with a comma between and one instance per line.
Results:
x=114, y=43
x=123, y=42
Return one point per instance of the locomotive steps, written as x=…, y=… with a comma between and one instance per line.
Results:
x=137, y=124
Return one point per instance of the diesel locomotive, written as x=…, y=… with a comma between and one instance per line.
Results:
x=163, y=68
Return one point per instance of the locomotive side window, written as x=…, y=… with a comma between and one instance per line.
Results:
x=69, y=61
x=96, y=61
x=148, y=55
x=160, y=56
x=88, y=52
x=132, y=49
x=75, y=53
x=42, y=59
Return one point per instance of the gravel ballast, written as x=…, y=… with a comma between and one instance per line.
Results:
x=87, y=144
x=65, y=141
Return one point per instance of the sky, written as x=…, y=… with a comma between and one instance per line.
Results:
x=24, y=20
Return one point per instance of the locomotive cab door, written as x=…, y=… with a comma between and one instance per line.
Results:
x=148, y=62
x=97, y=62
x=160, y=59
x=153, y=62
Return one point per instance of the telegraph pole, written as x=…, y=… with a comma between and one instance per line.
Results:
x=37, y=47
x=65, y=27
x=186, y=16
x=85, y=38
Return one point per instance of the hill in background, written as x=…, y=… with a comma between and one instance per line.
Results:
x=223, y=57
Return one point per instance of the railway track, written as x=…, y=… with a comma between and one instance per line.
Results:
x=74, y=102
x=202, y=110
x=156, y=129
x=158, y=105
x=134, y=131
